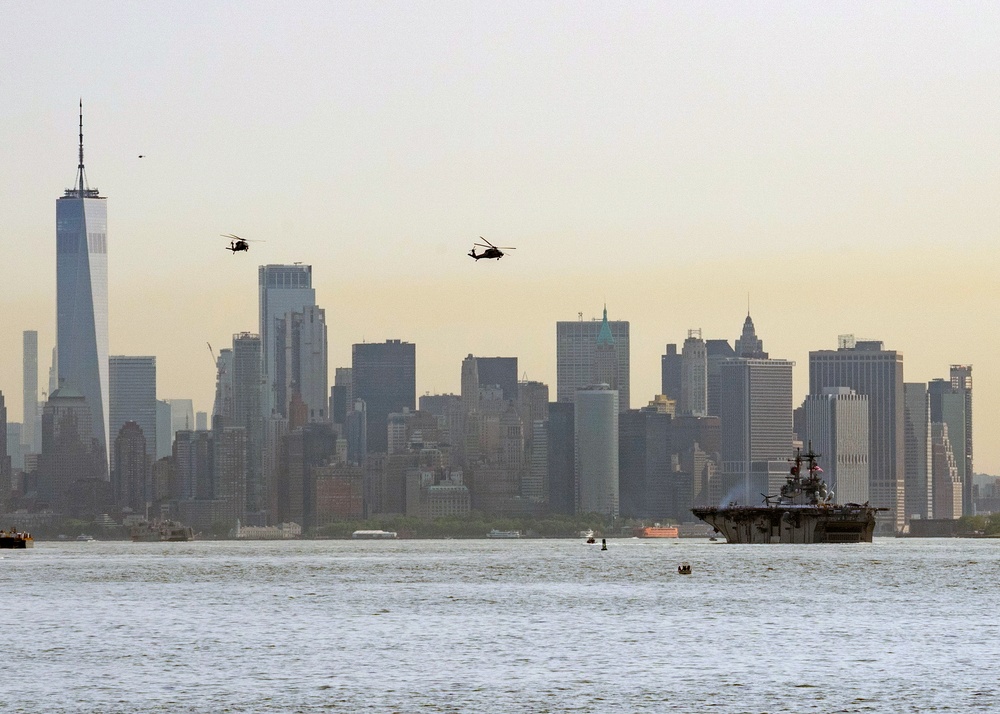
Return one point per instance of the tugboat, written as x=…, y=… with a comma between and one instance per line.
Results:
x=16, y=540
x=804, y=512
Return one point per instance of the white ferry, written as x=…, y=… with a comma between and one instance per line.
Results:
x=373, y=535
x=503, y=534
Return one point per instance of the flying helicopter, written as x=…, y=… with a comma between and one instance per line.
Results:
x=491, y=251
x=236, y=244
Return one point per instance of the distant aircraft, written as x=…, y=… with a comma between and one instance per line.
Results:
x=491, y=251
x=142, y=156
x=237, y=244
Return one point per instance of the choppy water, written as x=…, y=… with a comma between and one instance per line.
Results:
x=500, y=626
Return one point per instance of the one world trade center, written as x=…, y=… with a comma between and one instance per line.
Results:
x=82, y=296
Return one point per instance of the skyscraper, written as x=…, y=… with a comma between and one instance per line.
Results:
x=82, y=296
x=596, y=440
x=282, y=289
x=31, y=435
x=300, y=362
x=247, y=413
x=869, y=369
x=384, y=376
x=670, y=373
x=756, y=425
x=837, y=428
x=577, y=361
x=500, y=372
x=132, y=382
x=694, y=376
x=961, y=380
x=918, y=451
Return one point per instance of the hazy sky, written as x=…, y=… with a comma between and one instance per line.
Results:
x=836, y=161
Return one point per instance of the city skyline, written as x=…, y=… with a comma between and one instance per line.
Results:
x=897, y=177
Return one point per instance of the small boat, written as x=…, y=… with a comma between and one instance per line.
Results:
x=503, y=534
x=16, y=540
x=684, y=568
x=591, y=540
x=84, y=538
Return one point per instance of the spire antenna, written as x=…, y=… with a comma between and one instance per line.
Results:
x=80, y=174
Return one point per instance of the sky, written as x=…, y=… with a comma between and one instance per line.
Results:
x=837, y=164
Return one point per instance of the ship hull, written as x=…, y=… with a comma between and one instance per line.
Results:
x=11, y=543
x=784, y=524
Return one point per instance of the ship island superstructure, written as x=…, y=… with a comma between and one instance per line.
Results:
x=803, y=512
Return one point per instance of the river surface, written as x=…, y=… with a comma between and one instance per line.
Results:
x=500, y=626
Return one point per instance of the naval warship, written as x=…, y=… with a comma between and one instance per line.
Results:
x=804, y=512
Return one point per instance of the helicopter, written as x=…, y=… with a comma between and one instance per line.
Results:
x=491, y=251
x=236, y=244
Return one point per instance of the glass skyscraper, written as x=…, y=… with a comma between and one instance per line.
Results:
x=82, y=296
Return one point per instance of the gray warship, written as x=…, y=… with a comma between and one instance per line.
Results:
x=804, y=512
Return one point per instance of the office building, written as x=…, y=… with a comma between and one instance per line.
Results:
x=131, y=470
x=132, y=383
x=870, y=370
x=670, y=373
x=201, y=421
x=919, y=483
x=498, y=372
x=384, y=377
x=300, y=362
x=577, y=360
x=945, y=474
x=70, y=451
x=694, y=376
x=718, y=351
x=644, y=465
x=5, y=467
x=164, y=429
x=748, y=345
x=561, y=466
x=82, y=298
x=31, y=421
x=837, y=428
x=951, y=403
x=755, y=426
x=596, y=444
x=247, y=413
x=281, y=289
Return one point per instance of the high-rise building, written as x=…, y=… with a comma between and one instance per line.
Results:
x=300, y=362
x=470, y=384
x=247, y=413
x=31, y=433
x=670, y=373
x=164, y=429
x=230, y=476
x=70, y=451
x=756, y=426
x=82, y=297
x=194, y=464
x=869, y=369
x=644, y=464
x=131, y=467
x=384, y=376
x=945, y=475
x=561, y=467
x=918, y=452
x=5, y=470
x=596, y=440
x=961, y=380
x=718, y=352
x=498, y=372
x=132, y=386
x=837, y=429
x=577, y=356
x=747, y=344
x=694, y=376
x=282, y=289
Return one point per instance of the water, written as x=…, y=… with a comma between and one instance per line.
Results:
x=500, y=626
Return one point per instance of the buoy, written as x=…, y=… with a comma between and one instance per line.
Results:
x=604, y=544
x=684, y=568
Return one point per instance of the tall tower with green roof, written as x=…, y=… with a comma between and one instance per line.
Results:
x=592, y=352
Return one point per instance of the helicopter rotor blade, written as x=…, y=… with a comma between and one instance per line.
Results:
x=490, y=244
